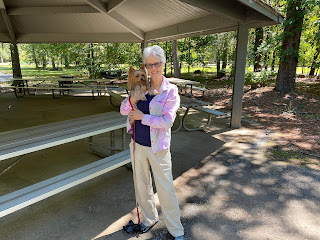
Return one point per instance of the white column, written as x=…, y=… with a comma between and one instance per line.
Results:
x=240, y=67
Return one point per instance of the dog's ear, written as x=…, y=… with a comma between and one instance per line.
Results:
x=130, y=77
x=143, y=68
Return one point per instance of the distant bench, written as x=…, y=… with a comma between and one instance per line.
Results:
x=23, y=141
x=192, y=87
x=198, y=105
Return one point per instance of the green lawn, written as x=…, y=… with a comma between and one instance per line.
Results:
x=206, y=73
x=30, y=71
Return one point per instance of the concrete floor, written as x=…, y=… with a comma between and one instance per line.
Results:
x=226, y=187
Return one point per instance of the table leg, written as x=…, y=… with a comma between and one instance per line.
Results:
x=194, y=129
x=112, y=142
x=178, y=118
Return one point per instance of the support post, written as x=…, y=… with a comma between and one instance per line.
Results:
x=240, y=67
x=144, y=44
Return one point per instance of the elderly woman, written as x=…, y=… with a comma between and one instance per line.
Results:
x=154, y=118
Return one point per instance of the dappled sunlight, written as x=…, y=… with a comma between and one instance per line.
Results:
x=230, y=196
x=304, y=222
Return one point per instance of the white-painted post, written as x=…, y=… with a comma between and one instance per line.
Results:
x=240, y=67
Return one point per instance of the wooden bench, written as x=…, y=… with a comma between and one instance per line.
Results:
x=23, y=141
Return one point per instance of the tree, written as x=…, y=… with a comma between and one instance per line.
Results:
x=177, y=73
x=15, y=62
x=257, y=50
x=315, y=22
x=296, y=11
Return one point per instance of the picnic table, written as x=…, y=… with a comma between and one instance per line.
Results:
x=185, y=83
x=188, y=103
x=61, y=85
x=24, y=141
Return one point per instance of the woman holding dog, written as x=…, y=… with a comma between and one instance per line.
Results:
x=154, y=118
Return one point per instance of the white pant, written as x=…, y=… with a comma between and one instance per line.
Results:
x=161, y=168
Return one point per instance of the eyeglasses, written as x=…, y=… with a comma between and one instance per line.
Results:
x=150, y=65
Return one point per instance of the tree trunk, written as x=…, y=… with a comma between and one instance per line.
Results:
x=165, y=66
x=189, y=56
x=218, y=69
x=314, y=62
x=44, y=62
x=66, y=62
x=273, y=60
x=266, y=55
x=175, y=59
x=290, y=47
x=16, y=70
x=224, y=68
x=53, y=63
x=257, y=53
x=35, y=57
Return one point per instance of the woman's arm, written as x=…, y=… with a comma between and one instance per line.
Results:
x=125, y=107
x=169, y=112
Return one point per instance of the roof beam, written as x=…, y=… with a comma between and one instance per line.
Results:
x=191, y=27
x=97, y=4
x=264, y=9
x=77, y=38
x=50, y=10
x=113, y=4
x=7, y=21
x=101, y=7
x=222, y=8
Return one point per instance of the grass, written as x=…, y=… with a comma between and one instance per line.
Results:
x=31, y=71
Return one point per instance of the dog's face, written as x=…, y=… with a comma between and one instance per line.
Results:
x=137, y=77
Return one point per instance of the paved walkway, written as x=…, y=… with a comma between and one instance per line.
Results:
x=4, y=77
x=227, y=188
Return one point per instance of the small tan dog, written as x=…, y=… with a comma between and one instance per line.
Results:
x=138, y=83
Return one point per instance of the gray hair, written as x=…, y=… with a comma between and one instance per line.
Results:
x=156, y=51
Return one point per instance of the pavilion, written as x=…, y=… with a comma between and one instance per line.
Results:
x=136, y=21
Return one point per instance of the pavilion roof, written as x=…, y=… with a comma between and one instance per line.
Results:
x=46, y=21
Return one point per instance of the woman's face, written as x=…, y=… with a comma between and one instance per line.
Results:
x=154, y=67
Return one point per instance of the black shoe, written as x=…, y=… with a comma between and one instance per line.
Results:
x=131, y=227
x=144, y=228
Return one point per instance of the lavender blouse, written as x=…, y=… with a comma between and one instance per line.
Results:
x=163, y=109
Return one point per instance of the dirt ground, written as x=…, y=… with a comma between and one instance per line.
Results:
x=292, y=119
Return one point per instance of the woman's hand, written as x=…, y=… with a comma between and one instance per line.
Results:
x=133, y=100
x=136, y=115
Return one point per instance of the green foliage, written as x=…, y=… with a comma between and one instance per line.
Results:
x=261, y=78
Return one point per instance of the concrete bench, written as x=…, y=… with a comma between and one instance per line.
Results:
x=23, y=141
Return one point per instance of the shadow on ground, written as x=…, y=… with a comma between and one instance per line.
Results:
x=226, y=187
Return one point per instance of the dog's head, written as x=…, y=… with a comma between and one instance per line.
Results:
x=137, y=77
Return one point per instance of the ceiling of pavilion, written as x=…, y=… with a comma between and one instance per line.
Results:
x=45, y=21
